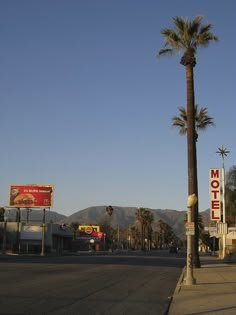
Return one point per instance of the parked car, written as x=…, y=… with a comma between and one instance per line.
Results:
x=173, y=249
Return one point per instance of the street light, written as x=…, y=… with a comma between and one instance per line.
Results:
x=223, y=152
x=18, y=217
x=189, y=279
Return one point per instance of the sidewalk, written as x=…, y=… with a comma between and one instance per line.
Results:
x=213, y=294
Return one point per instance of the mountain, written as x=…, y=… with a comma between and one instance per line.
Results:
x=122, y=217
x=125, y=216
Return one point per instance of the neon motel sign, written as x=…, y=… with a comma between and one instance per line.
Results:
x=215, y=208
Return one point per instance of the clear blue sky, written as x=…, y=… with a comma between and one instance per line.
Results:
x=86, y=106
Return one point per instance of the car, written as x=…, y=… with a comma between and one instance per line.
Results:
x=173, y=249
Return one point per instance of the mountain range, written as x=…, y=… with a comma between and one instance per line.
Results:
x=125, y=216
x=122, y=217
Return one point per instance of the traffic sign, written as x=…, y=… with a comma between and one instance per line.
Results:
x=189, y=228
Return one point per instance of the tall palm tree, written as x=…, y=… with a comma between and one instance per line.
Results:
x=186, y=38
x=202, y=120
x=145, y=218
x=149, y=221
x=134, y=236
x=140, y=217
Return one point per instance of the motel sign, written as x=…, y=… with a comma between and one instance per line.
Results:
x=215, y=208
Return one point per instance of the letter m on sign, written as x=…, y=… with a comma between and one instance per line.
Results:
x=215, y=173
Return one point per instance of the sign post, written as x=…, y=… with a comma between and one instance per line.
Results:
x=189, y=279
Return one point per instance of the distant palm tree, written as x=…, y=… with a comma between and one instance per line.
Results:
x=145, y=219
x=230, y=194
x=109, y=210
x=141, y=217
x=134, y=236
x=187, y=37
x=165, y=233
x=202, y=120
x=109, y=230
x=74, y=226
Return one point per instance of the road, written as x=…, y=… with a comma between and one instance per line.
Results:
x=89, y=284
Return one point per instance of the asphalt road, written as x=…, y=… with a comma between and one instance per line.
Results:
x=89, y=284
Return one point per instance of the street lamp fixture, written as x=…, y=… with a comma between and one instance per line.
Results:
x=189, y=279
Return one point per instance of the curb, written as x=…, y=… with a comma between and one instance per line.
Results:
x=177, y=290
x=180, y=281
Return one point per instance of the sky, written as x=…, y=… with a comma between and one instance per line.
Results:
x=86, y=105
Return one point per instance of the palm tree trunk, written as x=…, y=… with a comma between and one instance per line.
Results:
x=192, y=157
x=196, y=259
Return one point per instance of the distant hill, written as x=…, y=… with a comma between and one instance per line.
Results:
x=125, y=216
x=122, y=217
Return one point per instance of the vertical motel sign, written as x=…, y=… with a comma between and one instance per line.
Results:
x=215, y=208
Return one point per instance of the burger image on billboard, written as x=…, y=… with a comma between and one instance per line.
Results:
x=24, y=200
x=89, y=230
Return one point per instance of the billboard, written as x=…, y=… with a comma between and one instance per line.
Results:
x=215, y=190
x=88, y=232
x=31, y=196
x=88, y=229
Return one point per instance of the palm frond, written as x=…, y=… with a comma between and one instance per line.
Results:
x=202, y=120
x=188, y=34
x=165, y=52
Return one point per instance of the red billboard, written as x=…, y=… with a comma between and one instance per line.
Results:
x=31, y=196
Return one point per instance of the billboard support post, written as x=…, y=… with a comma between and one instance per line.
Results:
x=4, y=237
x=43, y=234
x=18, y=216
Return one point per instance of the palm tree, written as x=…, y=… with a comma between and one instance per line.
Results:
x=149, y=221
x=74, y=226
x=109, y=230
x=109, y=210
x=134, y=236
x=166, y=235
x=202, y=120
x=145, y=218
x=187, y=37
x=230, y=194
x=140, y=217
